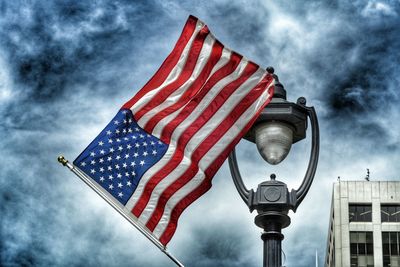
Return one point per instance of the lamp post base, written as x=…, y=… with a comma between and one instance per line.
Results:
x=272, y=222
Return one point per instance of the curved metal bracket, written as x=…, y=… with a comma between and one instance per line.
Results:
x=237, y=179
x=302, y=191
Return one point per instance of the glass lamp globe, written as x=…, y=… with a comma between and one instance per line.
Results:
x=274, y=140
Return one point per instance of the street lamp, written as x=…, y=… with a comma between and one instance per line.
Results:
x=280, y=124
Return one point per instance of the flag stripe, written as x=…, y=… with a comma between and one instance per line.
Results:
x=217, y=118
x=175, y=96
x=185, y=137
x=209, y=173
x=215, y=78
x=169, y=63
x=224, y=60
x=201, y=150
x=187, y=71
x=193, y=89
x=221, y=85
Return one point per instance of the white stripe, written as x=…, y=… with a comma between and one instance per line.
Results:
x=173, y=98
x=173, y=75
x=205, y=162
x=182, y=127
x=157, y=131
x=217, y=118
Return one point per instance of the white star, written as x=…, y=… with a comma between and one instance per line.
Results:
x=144, y=144
x=109, y=158
x=130, y=120
x=128, y=146
x=117, y=166
x=137, y=129
x=120, y=194
x=152, y=143
x=116, y=122
x=93, y=162
x=125, y=165
x=126, y=156
x=129, y=130
x=111, y=150
x=137, y=145
x=141, y=135
x=120, y=148
x=119, y=185
x=126, y=138
x=109, y=168
x=135, y=155
x=111, y=186
x=83, y=164
x=124, y=112
x=154, y=152
x=118, y=157
x=133, y=137
x=127, y=174
x=119, y=175
x=141, y=162
x=101, y=143
x=101, y=178
x=118, y=140
x=110, y=177
x=117, y=131
x=133, y=164
x=92, y=154
x=159, y=142
x=102, y=152
x=145, y=153
x=148, y=135
x=133, y=173
x=110, y=141
x=128, y=183
x=124, y=121
x=101, y=169
x=108, y=132
x=92, y=171
x=124, y=131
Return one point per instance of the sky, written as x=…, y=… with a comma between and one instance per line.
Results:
x=66, y=67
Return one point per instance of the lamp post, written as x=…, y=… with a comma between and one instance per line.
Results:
x=280, y=124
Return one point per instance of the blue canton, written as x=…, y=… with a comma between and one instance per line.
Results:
x=120, y=155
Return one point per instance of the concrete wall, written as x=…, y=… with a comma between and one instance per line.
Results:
x=346, y=192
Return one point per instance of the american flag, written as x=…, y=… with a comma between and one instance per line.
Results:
x=164, y=146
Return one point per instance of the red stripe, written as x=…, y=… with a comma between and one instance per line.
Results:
x=169, y=63
x=215, y=78
x=187, y=135
x=209, y=173
x=202, y=149
x=192, y=90
x=187, y=71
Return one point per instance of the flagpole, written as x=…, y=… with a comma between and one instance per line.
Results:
x=117, y=207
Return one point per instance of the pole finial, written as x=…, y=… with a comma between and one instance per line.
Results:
x=62, y=160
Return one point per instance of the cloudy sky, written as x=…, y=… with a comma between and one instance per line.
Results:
x=66, y=67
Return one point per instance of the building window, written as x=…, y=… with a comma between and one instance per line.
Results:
x=390, y=249
x=361, y=249
x=360, y=213
x=390, y=213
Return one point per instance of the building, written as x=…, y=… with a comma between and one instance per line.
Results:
x=364, y=228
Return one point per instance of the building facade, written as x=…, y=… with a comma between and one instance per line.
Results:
x=364, y=228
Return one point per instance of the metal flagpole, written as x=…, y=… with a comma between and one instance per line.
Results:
x=117, y=207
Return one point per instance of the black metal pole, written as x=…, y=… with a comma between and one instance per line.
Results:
x=272, y=222
x=272, y=248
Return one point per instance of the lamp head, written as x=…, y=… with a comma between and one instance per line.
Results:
x=273, y=140
x=280, y=124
